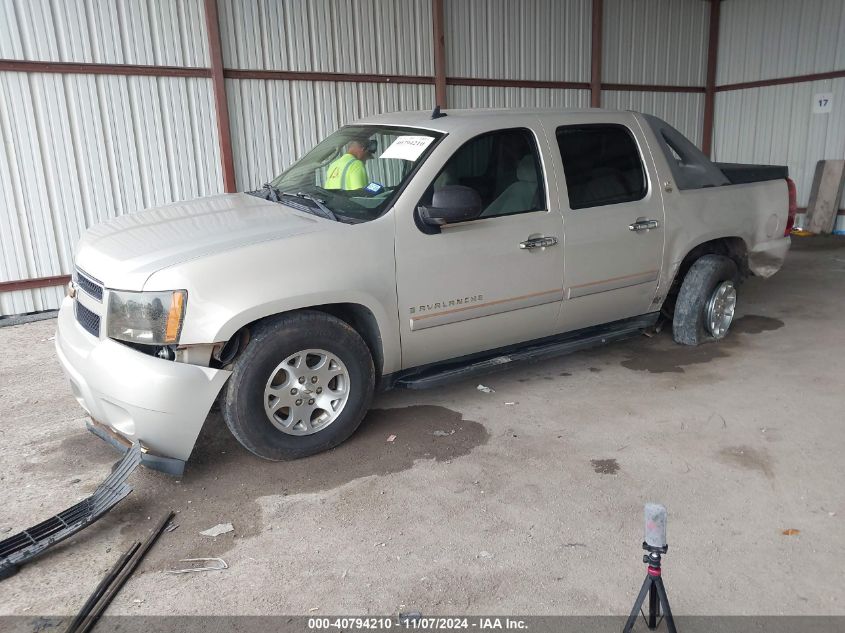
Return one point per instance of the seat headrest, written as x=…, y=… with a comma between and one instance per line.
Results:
x=526, y=171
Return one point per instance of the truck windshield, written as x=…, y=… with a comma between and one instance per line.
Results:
x=356, y=172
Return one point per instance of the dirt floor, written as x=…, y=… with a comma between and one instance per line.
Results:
x=527, y=500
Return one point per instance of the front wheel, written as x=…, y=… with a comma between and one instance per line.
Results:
x=301, y=386
x=706, y=303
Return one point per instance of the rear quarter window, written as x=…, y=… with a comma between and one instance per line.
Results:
x=690, y=168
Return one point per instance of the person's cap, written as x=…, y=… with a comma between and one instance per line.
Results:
x=369, y=144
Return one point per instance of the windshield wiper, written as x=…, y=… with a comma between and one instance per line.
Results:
x=326, y=212
x=272, y=192
x=321, y=209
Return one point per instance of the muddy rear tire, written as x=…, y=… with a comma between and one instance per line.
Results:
x=707, y=283
x=301, y=386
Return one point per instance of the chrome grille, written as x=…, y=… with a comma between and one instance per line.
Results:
x=89, y=285
x=89, y=321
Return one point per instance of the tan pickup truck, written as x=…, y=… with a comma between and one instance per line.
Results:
x=482, y=238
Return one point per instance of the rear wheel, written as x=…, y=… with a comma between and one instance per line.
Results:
x=302, y=385
x=706, y=303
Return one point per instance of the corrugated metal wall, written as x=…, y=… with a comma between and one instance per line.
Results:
x=767, y=39
x=275, y=122
x=683, y=110
x=776, y=125
x=645, y=41
x=105, y=31
x=535, y=40
x=660, y=42
x=544, y=40
x=342, y=36
x=79, y=149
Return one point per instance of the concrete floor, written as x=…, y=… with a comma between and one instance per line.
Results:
x=533, y=507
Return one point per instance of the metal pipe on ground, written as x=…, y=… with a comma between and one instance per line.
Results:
x=90, y=620
x=102, y=587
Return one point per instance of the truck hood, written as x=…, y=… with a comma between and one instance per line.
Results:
x=122, y=253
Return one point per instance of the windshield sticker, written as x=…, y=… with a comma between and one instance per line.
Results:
x=407, y=147
x=374, y=188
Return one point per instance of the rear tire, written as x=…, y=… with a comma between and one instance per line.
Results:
x=709, y=284
x=293, y=365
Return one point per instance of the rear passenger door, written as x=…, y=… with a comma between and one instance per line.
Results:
x=613, y=223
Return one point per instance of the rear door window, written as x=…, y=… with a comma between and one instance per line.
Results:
x=602, y=165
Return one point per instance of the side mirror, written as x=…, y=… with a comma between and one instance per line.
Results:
x=451, y=204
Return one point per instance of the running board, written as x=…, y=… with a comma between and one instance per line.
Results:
x=440, y=374
x=24, y=546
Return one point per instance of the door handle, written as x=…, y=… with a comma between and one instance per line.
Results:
x=538, y=242
x=643, y=224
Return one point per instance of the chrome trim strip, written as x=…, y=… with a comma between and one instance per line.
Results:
x=489, y=308
x=613, y=283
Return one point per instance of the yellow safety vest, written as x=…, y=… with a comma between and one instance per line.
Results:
x=347, y=172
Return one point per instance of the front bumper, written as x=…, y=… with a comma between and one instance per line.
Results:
x=135, y=398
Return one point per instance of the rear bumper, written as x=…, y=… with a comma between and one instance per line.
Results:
x=134, y=398
x=766, y=258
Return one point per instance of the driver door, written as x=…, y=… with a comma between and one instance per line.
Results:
x=491, y=281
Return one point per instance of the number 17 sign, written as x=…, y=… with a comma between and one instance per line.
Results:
x=823, y=103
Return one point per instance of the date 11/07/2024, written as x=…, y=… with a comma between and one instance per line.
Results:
x=418, y=623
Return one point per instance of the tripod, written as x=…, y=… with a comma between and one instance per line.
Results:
x=653, y=587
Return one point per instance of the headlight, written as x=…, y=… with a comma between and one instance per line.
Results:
x=151, y=318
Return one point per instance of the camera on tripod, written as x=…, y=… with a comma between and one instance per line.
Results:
x=654, y=542
x=655, y=546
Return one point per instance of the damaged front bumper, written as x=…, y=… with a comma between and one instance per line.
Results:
x=133, y=398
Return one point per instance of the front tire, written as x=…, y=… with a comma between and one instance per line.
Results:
x=706, y=301
x=301, y=386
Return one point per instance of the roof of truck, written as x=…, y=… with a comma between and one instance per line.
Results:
x=458, y=117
